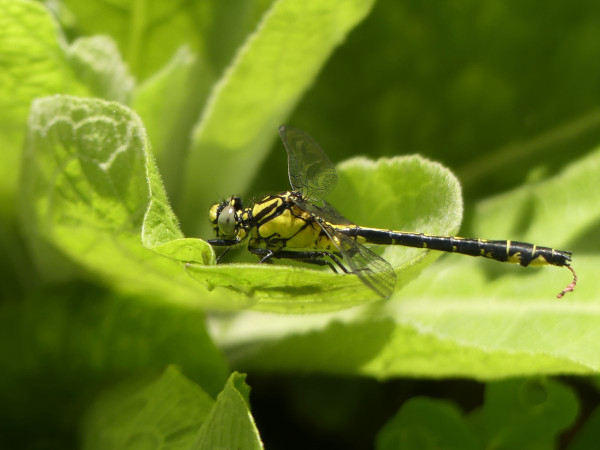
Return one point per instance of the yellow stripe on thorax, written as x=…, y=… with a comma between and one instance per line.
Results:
x=287, y=230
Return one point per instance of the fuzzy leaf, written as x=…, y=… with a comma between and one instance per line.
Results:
x=92, y=191
x=33, y=65
x=98, y=64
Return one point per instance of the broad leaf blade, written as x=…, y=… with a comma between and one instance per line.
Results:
x=98, y=64
x=167, y=412
x=172, y=412
x=516, y=414
x=92, y=192
x=169, y=103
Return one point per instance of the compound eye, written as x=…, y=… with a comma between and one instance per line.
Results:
x=227, y=221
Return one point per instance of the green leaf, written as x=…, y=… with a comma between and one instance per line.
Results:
x=257, y=92
x=560, y=210
x=98, y=64
x=92, y=192
x=519, y=314
x=36, y=63
x=402, y=193
x=33, y=65
x=167, y=412
x=171, y=412
x=230, y=424
x=425, y=423
x=527, y=413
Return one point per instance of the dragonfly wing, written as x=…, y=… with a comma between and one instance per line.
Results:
x=372, y=269
x=327, y=212
x=310, y=170
x=332, y=215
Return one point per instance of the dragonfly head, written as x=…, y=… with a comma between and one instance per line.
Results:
x=226, y=217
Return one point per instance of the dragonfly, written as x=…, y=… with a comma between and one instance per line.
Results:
x=300, y=225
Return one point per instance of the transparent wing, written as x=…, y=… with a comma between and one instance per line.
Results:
x=310, y=170
x=373, y=270
x=332, y=215
x=327, y=212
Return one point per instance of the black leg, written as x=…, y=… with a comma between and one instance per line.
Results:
x=309, y=257
x=224, y=242
x=227, y=243
x=223, y=253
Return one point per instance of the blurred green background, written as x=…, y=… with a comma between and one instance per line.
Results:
x=501, y=92
x=498, y=91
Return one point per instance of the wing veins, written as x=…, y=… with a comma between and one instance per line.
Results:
x=310, y=171
x=371, y=268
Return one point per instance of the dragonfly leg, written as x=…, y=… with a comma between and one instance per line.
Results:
x=266, y=254
x=336, y=260
x=223, y=253
x=227, y=243
x=310, y=257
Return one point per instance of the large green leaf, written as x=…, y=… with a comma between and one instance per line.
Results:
x=36, y=62
x=92, y=192
x=98, y=64
x=169, y=103
x=526, y=413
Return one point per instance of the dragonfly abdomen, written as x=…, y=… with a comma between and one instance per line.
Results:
x=504, y=251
